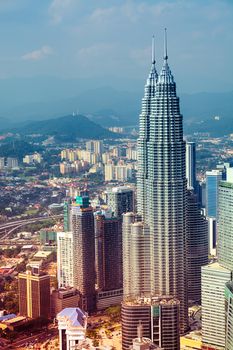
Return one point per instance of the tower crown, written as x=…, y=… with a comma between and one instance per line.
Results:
x=165, y=76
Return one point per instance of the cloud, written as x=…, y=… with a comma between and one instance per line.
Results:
x=59, y=8
x=39, y=54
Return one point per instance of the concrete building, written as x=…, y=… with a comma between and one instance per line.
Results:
x=212, y=235
x=62, y=298
x=137, y=250
x=162, y=184
x=191, y=165
x=82, y=226
x=229, y=315
x=34, y=294
x=225, y=225
x=108, y=252
x=159, y=317
x=65, y=259
x=120, y=199
x=197, y=246
x=212, y=181
x=214, y=278
x=72, y=325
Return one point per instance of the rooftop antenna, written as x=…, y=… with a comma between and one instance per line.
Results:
x=153, y=50
x=165, y=44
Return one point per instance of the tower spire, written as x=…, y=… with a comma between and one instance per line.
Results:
x=153, y=50
x=165, y=44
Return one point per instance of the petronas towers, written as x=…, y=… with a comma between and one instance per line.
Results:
x=161, y=184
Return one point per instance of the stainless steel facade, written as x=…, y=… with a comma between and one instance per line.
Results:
x=161, y=185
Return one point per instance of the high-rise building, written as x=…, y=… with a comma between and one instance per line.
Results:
x=212, y=181
x=34, y=294
x=82, y=226
x=65, y=259
x=142, y=343
x=225, y=225
x=72, y=326
x=95, y=146
x=214, y=278
x=161, y=184
x=159, y=317
x=229, y=315
x=212, y=235
x=121, y=200
x=191, y=165
x=62, y=298
x=197, y=246
x=108, y=252
x=137, y=244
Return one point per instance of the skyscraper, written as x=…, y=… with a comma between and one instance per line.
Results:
x=212, y=180
x=191, y=165
x=82, y=226
x=197, y=246
x=34, y=294
x=161, y=184
x=108, y=251
x=137, y=244
x=229, y=315
x=214, y=278
x=225, y=226
x=159, y=317
x=121, y=200
x=65, y=259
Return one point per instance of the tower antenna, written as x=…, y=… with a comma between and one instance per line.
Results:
x=153, y=50
x=165, y=44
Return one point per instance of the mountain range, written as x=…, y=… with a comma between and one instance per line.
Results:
x=42, y=99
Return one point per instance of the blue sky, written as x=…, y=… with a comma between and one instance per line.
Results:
x=109, y=40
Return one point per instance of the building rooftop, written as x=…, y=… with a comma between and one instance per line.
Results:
x=74, y=317
x=151, y=300
x=215, y=267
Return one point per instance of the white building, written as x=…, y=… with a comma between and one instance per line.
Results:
x=65, y=266
x=72, y=325
x=214, y=278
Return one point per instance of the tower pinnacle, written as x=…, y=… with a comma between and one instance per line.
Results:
x=153, y=50
x=165, y=44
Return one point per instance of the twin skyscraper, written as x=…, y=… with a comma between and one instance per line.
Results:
x=156, y=239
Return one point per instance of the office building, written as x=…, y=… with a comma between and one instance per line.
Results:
x=120, y=199
x=72, y=325
x=108, y=252
x=95, y=146
x=212, y=235
x=197, y=246
x=161, y=184
x=191, y=165
x=142, y=343
x=62, y=298
x=65, y=259
x=34, y=294
x=214, y=278
x=212, y=181
x=82, y=226
x=159, y=317
x=225, y=225
x=229, y=315
x=137, y=243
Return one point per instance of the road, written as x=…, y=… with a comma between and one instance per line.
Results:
x=10, y=227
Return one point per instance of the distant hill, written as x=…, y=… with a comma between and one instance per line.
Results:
x=17, y=148
x=67, y=128
x=42, y=98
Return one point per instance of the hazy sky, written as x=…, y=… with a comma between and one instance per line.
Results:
x=110, y=39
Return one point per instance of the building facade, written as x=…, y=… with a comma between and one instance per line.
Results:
x=159, y=317
x=137, y=250
x=82, y=227
x=214, y=278
x=191, y=165
x=161, y=185
x=197, y=246
x=34, y=294
x=65, y=259
x=212, y=181
x=121, y=200
x=108, y=253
